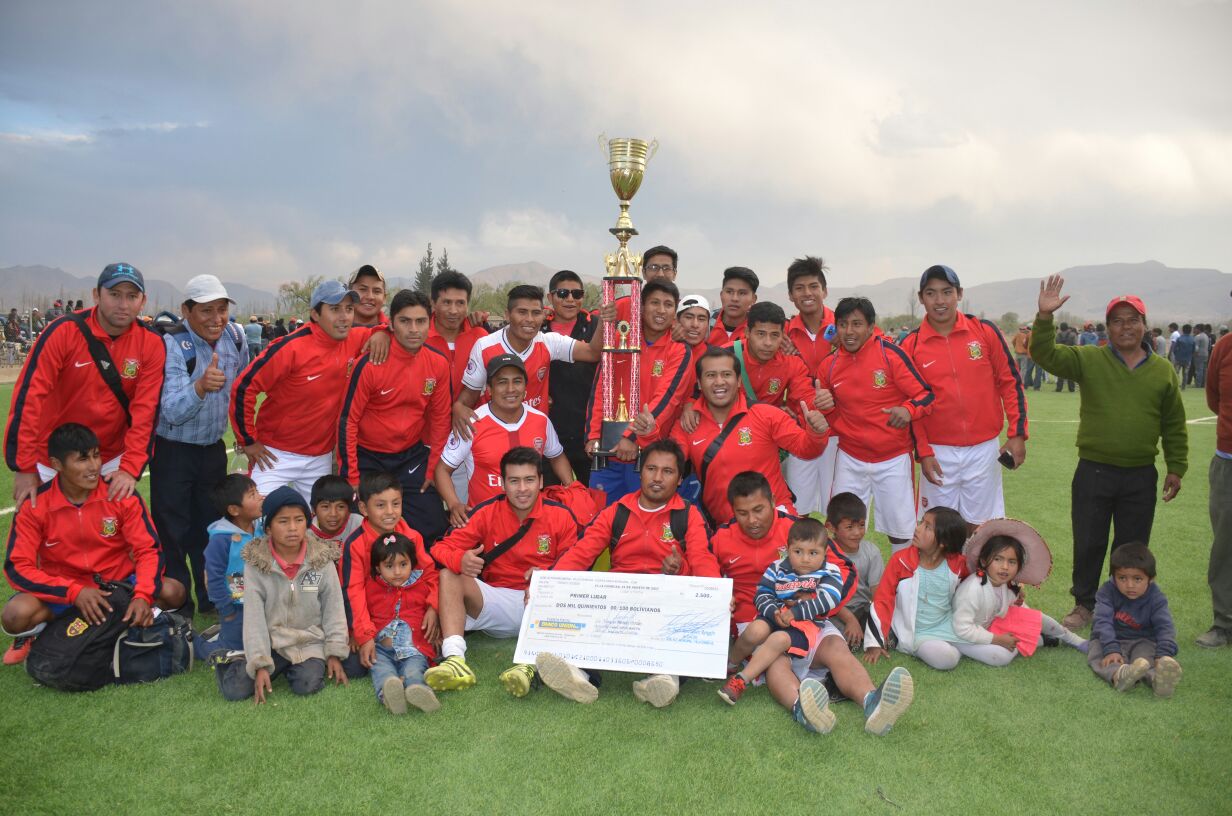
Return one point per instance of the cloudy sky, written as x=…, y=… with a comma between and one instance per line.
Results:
x=269, y=141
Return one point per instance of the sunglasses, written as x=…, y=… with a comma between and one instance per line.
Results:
x=576, y=294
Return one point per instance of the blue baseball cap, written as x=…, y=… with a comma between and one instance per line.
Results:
x=121, y=273
x=939, y=272
x=332, y=292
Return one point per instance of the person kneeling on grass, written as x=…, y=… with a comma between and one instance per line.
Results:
x=293, y=617
x=68, y=536
x=487, y=564
x=400, y=592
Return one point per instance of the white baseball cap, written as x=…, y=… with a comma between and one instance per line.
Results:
x=689, y=301
x=206, y=289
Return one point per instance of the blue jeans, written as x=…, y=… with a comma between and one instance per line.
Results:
x=386, y=665
x=617, y=479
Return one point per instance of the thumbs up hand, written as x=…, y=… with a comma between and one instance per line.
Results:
x=212, y=379
x=644, y=422
x=824, y=400
x=814, y=419
x=673, y=561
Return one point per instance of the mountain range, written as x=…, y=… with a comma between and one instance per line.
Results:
x=1183, y=295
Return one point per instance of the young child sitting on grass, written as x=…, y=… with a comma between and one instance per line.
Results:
x=240, y=504
x=1132, y=635
x=399, y=592
x=914, y=602
x=332, y=519
x=988, y=595
x=294, y=623
x=846, y=517
x=795, y=596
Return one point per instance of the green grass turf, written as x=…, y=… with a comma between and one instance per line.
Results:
x=1041, y=736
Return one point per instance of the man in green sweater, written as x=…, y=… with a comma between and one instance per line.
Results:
x=1130, y=399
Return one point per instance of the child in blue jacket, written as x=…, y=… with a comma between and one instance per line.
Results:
x=237, y=498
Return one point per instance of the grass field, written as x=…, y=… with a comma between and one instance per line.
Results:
x=1041, y=736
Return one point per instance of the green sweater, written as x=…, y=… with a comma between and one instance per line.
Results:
x=1124, y=412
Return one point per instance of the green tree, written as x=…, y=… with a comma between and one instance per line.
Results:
x=1009, y=322
x=442, y=263
x=423, y=278
x=295, y=297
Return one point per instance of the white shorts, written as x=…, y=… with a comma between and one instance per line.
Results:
x=294, y=469
x=46, y=474
x=501, y=616
x=802, y=666
x=887, y=487
x=971, y=482
x=811, y=479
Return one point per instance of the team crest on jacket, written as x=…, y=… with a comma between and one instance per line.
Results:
x=774, y=386
x=657, y=369
x=668, y=535
x=429, y=386
x=76, y=627
x=974, y=350
x=744, y=436
x=544, y=544
x=879, y=378
x=109, y=527
x=539, y=444
x=130, y=368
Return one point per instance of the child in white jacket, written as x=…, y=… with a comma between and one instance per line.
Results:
x=987, y=594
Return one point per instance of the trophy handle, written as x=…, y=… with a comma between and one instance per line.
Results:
x=603, y=144
x=654, y=148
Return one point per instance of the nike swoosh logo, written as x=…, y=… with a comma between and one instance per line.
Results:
x=384, y=391
x=698, y=441
x=926, y=365
x=313, y=377
x=412, y=470
x=79, y=365
x=733, y=560
x=836, y=385
x=51, y=543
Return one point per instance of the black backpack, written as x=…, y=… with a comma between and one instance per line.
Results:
x=73, y=655
x=149, y=653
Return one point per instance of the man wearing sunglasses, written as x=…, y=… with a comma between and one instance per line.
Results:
x=568, y=381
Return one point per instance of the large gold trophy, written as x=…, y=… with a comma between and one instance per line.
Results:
x=626, y=166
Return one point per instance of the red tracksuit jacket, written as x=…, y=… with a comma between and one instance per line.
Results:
x=356, y=570
x=60, y=383
x=879, y=375
x=667, y=380
x=56, y=548
x=459, y=354
x=383, y=598
x=812, y=350
x=719, y=336
x=976, y=382
x=553, y=530
x=394, y=406
x=646, y=541
x=782, y=380
x=753, y=445
x=303, y=377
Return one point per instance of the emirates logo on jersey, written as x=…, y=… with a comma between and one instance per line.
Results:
x=974, y=350
x=130, y=368
x=539, y=443
x=110, y=525
x=879, y=378
x=657, y=369
x=744, y=436
x=429, y=386
x=774, y=386
x=543, y=545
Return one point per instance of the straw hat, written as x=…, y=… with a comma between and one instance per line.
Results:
x=1036, y=555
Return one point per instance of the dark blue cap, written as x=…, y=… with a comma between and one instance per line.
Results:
x=121, y=273
x=939, y=272
x=285, y=496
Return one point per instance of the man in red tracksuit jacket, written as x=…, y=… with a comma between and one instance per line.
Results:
x=666, y=381
x=61, y=382
x=978, y=391
x=872, y=394
x=811, y=334
x=395, y=417
x=303, y=376
x=651, y=531
x=754, y=434
x=738, y=294
x=450, y=332
x=487, y=564
x=73, y=535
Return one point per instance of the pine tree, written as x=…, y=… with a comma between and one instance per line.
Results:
x=442, y=263
x=423, y=279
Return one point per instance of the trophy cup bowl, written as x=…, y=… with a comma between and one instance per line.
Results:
x=626, y=163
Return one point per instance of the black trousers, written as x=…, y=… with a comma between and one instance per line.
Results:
x=1102, y=496
x=182, y=482
x=424, y=512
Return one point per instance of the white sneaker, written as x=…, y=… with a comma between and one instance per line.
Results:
x=393, y=696
x=422, y=698
x=565, y=679
x=659, y=690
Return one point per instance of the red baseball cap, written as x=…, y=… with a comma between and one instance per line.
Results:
x=1132, y=300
